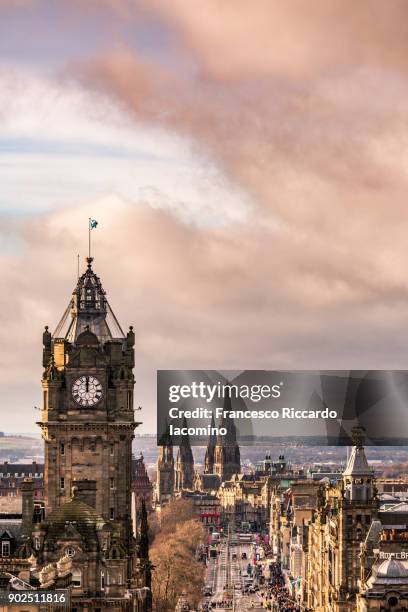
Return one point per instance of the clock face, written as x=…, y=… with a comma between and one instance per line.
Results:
x=87, y=391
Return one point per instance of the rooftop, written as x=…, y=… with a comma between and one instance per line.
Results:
x=89, y=310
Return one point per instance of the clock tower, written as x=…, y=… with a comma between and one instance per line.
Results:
x=87, y=414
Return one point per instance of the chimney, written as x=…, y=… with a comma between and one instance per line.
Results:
x=27, y=493
x=85, y=491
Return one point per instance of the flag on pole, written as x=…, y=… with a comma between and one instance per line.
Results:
x=92, y=225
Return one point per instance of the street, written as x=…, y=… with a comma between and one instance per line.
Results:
x=227, y=579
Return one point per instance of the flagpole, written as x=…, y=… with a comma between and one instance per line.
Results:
x=89, y=237
x=78, y=264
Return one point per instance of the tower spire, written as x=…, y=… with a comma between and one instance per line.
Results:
x=184, y=462
x=89, y=308
x=227, y=456
x=358, y=475
x=209, y=453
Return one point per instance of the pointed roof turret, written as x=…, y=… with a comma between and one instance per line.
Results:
x=185, y=454
x=228, y=423
x=143, y=532
x=212, y=439
x=165, y=438
x=209, y=453
x=357, y=464
x=89, y=309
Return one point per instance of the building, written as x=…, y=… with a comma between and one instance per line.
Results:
x=87, y=423
x=142, y=488
x=206, y=508
x=206, y=482
x=245, y=499
x=210, y=450
x=227, y=458
x=342, y=545
x=339, y=527
x=184, y=476
x=268, y=467
x=165, y=471
x=292, y=510
x=384, y=570
x=12, y=476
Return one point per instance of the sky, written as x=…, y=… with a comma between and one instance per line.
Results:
x=248, y=167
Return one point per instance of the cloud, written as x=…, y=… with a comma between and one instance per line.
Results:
x=242, y=40
x=64, y=145
x=197, y=297
x=267, y=225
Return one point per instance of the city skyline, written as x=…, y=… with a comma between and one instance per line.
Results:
x=249, y=187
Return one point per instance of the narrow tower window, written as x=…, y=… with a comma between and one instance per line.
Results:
x=112, y=514
x=62, y=448
x=129, y=400
x=76, y=579
x=62, y=484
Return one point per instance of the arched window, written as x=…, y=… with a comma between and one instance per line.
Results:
x=76, y=578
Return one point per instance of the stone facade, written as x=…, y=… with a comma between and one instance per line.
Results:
x=165, y=471
x=245, y=499
x=338, y=529
x=142, y=488
x=12, y=476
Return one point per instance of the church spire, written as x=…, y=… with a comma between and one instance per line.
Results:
x=227, y=423
x=144, y=566
x=143, y=532
x=184, y=462
x=165, y=468
x=227, y=457
x=209, y=453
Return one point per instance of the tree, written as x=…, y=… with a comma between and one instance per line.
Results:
x=176, y=512
x=173, y=555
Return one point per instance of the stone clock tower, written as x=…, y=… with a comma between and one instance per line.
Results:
x=87, y=413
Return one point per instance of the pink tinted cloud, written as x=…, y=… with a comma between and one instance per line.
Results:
x=305, y=111
x=240, y=39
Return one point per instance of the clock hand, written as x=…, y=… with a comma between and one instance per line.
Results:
x=87, y=383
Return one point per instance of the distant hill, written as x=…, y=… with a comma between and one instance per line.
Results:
x=16, y=448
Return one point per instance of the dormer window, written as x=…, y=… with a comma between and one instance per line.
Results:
x=5, y=548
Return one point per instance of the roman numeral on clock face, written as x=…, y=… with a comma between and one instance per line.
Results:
x=87, y=391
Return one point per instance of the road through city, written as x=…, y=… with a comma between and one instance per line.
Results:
x=227, y=580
